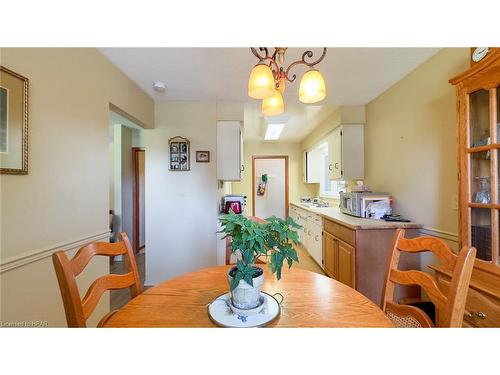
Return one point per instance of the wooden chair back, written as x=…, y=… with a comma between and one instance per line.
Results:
x=449, y=308
x=77, y=309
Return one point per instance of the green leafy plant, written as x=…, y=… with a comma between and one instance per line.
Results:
x=273, y=239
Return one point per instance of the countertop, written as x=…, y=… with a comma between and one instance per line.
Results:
x=334, y=214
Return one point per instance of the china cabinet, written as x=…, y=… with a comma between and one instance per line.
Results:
x=478, y=107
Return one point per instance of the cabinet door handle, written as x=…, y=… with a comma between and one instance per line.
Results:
x=472, y=315
x=336, y=165
x=309, y=233
x=330, y=167
x=316, y=238
x=242, y=168
x=481, y=315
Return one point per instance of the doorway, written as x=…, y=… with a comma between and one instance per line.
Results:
x=138, y=163
x=270, y=186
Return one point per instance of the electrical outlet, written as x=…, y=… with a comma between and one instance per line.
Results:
x=454, y=202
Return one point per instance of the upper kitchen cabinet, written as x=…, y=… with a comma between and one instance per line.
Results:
x=346, y=153
x=312, y=166
x=229, y=151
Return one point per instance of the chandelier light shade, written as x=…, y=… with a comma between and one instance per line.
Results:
x=273, y=105
x=261, y=83
x=267, y=79
x=312, y=87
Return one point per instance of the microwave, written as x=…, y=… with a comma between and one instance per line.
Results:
x=355, y=203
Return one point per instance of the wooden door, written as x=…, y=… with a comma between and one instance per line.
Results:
x=335, y=155
x=329, y=249
x=346, y=264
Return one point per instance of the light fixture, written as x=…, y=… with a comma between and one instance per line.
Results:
x=312, y=87
x=261, y=82
x=273, y=131
x=274, y=105
x=268, y=78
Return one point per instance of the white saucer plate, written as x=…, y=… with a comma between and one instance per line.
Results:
x=221, y=313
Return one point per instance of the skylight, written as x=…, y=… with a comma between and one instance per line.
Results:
x=273, y=131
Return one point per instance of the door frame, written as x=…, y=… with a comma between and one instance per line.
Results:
x=255, y=157
x=135, y=194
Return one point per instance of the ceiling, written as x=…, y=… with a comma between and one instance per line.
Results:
x=353, y=76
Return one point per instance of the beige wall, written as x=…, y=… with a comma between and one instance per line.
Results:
x=410, y=142
x=297, y=187
x=64, y=199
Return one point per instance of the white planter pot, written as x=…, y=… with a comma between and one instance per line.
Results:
x=245, y=296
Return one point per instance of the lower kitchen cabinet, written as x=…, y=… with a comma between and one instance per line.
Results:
x=345, y=264
x=339, y=260
x=330, y=247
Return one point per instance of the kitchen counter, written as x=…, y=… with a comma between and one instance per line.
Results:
x=334, y=214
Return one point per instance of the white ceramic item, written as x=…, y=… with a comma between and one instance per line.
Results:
x=221, y=313
x=246, y=296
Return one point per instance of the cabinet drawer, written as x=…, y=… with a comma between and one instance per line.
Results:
x=345, y=234
x=481, y=310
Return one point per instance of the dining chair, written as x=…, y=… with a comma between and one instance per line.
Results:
x=77, y=309
x=449, y=307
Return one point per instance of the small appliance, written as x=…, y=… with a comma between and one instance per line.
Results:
x=356, y=203
x=233, y=202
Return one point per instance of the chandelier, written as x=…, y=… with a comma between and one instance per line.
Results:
x=267, y=79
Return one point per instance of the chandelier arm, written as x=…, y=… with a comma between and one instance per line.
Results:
x=257, y=54
x=308, y=54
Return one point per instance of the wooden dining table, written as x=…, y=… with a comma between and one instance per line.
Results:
x=309, y=300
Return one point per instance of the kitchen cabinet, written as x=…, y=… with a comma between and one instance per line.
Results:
x=330, y=248
x=229, y=151
x=314, y=241
x=345, y=264
x=478, y=115
x=311, y=232
x=312, y=166
x=339, y=260
x=346, y=153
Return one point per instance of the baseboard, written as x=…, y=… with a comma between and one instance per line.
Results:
x=20, y=260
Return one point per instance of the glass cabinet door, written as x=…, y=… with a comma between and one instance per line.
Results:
x=483, y=154
x=479, y=118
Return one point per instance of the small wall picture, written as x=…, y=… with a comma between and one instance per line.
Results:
x=178, y=154
x=202, y=156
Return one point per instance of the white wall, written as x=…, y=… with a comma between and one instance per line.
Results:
x=181, y=207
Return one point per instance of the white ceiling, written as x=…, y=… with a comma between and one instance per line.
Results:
x=353, y=76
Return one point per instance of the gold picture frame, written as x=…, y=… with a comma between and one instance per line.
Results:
x=179, y=150
x=13, y=122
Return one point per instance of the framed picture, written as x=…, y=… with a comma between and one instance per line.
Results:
x=202, y=156
x=178, y=154
x=13, y=122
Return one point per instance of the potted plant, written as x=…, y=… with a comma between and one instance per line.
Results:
x=273, y=239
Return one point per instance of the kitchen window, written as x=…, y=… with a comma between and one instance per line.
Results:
x=328, y=188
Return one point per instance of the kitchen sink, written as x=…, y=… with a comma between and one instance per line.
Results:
x=315, y=205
